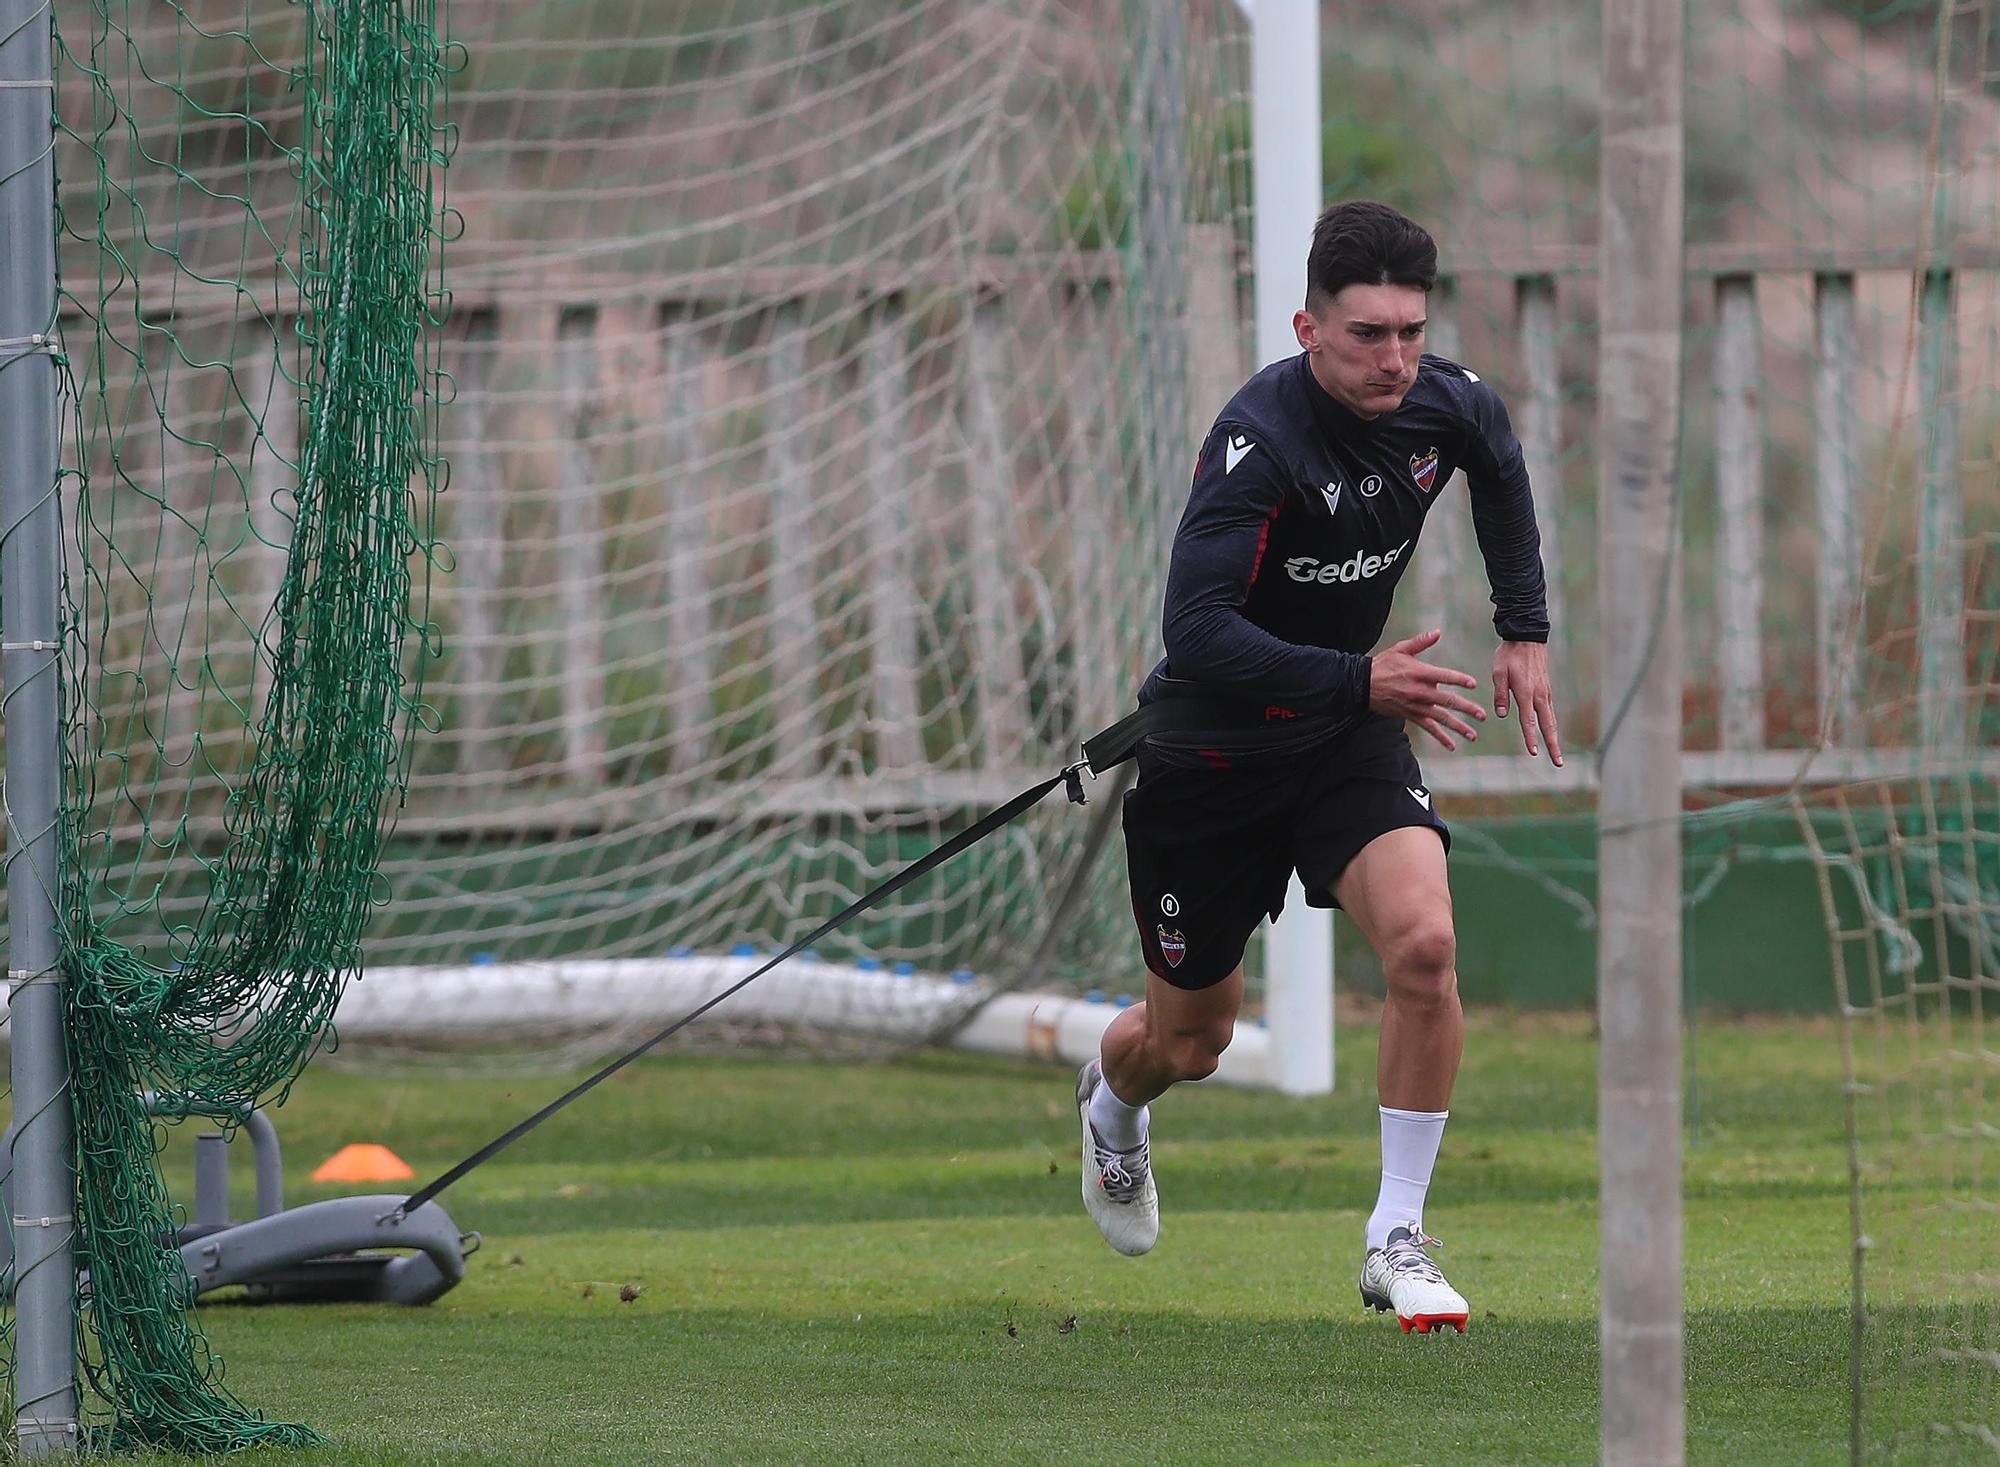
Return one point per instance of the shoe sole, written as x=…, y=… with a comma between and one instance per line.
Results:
x=1421, y=1324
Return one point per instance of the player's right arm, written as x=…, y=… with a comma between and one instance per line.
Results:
x=1219, y=551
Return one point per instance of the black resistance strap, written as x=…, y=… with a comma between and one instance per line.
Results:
x=970, y=836
x=1101, y=752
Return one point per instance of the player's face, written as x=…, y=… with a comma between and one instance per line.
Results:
x=1364, y=343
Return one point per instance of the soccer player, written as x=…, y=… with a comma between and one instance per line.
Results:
x=1307, y=502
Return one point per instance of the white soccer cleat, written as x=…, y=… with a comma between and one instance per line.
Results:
x=1404, y=1278
x=1118, y=1190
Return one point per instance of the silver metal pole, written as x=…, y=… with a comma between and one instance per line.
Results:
x=30, y=561
x=1638, y=831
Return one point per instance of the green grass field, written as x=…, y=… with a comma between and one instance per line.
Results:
x=888, y=1263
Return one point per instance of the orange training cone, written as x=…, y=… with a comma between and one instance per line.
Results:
x=364, y=1162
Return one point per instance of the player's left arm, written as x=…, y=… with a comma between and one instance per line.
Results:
x=1503, y=515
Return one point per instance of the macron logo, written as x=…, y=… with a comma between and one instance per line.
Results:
x=1232, y=453
x=1332, y=493
x=1421, y=796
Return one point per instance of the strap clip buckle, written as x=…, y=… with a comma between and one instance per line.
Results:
x=1073, y=781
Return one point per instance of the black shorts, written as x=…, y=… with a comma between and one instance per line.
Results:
x=1212, y=835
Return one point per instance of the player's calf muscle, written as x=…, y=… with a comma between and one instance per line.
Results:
x=1176, y=1034
x=1193, y=1054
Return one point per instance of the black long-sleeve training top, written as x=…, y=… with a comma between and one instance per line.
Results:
x=1303, y=518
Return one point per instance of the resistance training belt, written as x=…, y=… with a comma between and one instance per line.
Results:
x=1101, y=752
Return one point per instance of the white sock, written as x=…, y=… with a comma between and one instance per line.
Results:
x=1409, y=1152
x=1117, y=1124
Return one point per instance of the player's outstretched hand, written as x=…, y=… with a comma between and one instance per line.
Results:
x=1402, y=685
x=1521, y=675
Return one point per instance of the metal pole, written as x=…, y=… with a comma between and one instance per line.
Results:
x=1638, y=822
x=1286, y=179
x=30, y=566
x=1163, y=223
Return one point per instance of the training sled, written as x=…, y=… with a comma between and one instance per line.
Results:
x=360, y=1250
x=324, y=1252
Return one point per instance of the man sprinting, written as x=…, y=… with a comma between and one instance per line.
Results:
x=1308, y=498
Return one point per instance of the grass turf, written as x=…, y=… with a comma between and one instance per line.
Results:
x=888, y=1263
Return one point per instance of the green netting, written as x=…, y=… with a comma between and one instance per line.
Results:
x=827, y=402
x=245, y=621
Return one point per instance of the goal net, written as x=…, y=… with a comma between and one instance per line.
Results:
x=820, y=385
x=826, y=383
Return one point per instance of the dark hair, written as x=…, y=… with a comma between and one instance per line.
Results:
x=1365, y=243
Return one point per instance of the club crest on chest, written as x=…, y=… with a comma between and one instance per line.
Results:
x=1424, y=469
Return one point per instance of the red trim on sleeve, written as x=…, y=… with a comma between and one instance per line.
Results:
x=1264, y=540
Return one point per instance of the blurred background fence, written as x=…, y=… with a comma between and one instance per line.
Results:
x=826, y=379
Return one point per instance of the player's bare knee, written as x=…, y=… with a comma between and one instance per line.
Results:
x=1421, y=964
